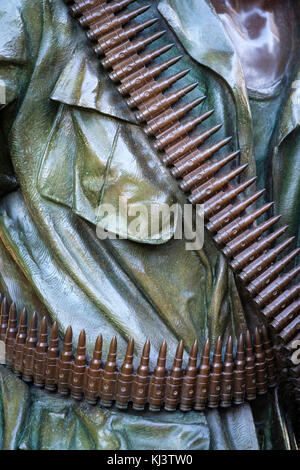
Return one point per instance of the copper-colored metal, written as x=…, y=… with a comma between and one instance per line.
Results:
x=287, y=315
x=189, y=381
x=111, y=22
x=201, y=395
x=188, y=144
x=115, y=38
x=248, y=237
x=4, y=318
x=231, y=230
x=29, y=350
x=204, y=172
x=128, y=49
x=158, y=380
x=257, y=266
x=239, y=374
x=65, y=364
x=153, y=88
x=260, y=364
x=264, y=279
x=78, y=368
x=281, y=302
x=227, y=376
x=81, y=6
x=228, y=214
x=94, y=373
x=290, y=330
x=109, y=376
x=204, y=192
x=252, y=252
x=270, y=359
x=250, y=372
x=218, y=202
x=141, y=381
x=145, y=75
x=156, y=105
x=136, y=62
x=19, y=344
x=125, y=378
x=10, y=336
x=40, y=355
x=102, y=11
x=52, y=360
x=173, y=133
x=159, y=124
x=273, y=289
x=214, y=387
x=174, y=381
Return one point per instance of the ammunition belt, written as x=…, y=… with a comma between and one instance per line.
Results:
x=240, y=376
x=270, y=289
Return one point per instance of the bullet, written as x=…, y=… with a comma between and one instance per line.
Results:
x=79, y=368
x=231, y=230
x=127, y=49
x=3, y=318
x=250, y=369
x=260, y=365
x=125, y=379
x=140, y=78
x=10, y=336
x=218, y=202
x=158, y=381
x=156, y=105
x=281, y=302
x=239, y=375
x=195, y=158
x=231, y=212
x=174, y=381
x=52, y=360
x=201, y=395
x=204, y=192
x=102, y=11
x=113, y=39
x=162, y=122
x=141, y=381
x=84, y=5
x=273, y=289
x=29, y=350
x=189, y=381
x=214, y=387
x=205, y=172
x=248, y=237
x=285, y=316
x=20, y=343
x=39, y=364
x=136, y=62
x=257, y=266
x=270, y=358
x=65, y=364
x=109, y=376
x=180, y=149
x=112, y=22
x=290, y=331
x=227, y=376
x=264, y=279
x=153, y=88
x=94, y=374
x=255, y=250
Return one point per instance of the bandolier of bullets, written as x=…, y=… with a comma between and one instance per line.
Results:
x=249, y=248
x=246, y=370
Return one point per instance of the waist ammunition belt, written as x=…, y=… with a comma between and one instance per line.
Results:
x=251, y=250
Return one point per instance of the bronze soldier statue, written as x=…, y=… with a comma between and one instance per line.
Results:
x=70, y=146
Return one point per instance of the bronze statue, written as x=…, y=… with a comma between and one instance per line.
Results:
x=71, y=145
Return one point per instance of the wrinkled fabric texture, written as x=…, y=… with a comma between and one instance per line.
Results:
x=72, y=146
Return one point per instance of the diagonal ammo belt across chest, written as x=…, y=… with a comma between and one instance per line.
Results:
x=251, y=250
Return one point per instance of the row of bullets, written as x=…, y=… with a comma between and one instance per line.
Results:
x=215, y=382
x=258, y=265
